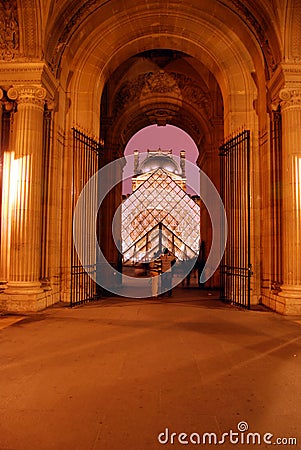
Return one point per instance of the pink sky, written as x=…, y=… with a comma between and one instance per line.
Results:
x=168, y=137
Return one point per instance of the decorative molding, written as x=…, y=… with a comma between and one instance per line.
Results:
x=160, y=116
x=162, y=83
x=16, y=73
x=287, y=76
x=9, y=30
x=29, y=24
x=294, y=32
x=13, y=94
x=34, y=95
x=290, y=97
x=70, y=24
x=186, y=121
x=260, y=34
x=192, y=91
x=292, y=75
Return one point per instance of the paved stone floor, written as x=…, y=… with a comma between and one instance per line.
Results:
x=117, y=373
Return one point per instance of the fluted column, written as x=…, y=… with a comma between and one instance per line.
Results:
x=26, y=204
x=291, y=185
x=3, y=249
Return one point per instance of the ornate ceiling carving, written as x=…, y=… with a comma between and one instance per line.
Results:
x=148, y=84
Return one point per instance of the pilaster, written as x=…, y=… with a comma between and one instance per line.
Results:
x=24, y=290
x=291, y=191
x=3, y=205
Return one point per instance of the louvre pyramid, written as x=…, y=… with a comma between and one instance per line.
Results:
x=160, y=201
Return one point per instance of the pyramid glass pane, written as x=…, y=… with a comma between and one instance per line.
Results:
x=159, y=200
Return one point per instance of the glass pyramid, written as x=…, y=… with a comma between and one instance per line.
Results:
x=159, y=214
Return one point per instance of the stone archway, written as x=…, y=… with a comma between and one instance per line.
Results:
x=224, y=65
x=234, y=48
x=160, y=87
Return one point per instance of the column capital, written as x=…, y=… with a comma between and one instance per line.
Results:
x=34, y=95
x=290, y=97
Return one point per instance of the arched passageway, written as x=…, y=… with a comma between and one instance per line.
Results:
x=112, y=69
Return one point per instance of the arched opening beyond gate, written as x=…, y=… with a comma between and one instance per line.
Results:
x=162, y=87
x=160, y=209
x=209, y=88
x=168, y=86
x=111, y=69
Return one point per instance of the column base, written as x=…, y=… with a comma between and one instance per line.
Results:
x=290, y=291
x=23, y=297
x=286, y=302
x=3, y=286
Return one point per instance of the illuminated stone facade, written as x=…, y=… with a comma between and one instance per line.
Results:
x=112, y=68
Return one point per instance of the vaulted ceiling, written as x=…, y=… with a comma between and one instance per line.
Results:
x=161, y=87
x=237, y=44
x=113, y=22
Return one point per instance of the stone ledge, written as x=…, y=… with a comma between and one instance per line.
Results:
x=281, y=305
x=27, y=302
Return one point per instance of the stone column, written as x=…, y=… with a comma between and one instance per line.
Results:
x=291, y=189
x=3, y=258
x=24, y=288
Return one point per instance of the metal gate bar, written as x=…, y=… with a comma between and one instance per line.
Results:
x=236, y=268
x=85, y=164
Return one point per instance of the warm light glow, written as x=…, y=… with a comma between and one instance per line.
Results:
x=160, y=200
x=15, y=177
x=298, y=196
x=13, y=181
x=298, y=182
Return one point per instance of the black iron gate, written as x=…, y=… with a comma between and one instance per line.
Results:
x=236, y=269
x=85, y=164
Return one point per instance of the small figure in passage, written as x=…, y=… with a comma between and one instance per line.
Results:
x=167, y=261
x=155, y=271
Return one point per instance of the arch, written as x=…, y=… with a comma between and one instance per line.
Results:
x=187, y=122
x=160, y=87
x=87, y=63
x=86, y=51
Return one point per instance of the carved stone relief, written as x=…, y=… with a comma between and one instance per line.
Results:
x=9, y=30
x=160, y=116
x=295, y=33
x=161, y=82
x=28, y=95
x=290, y=97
